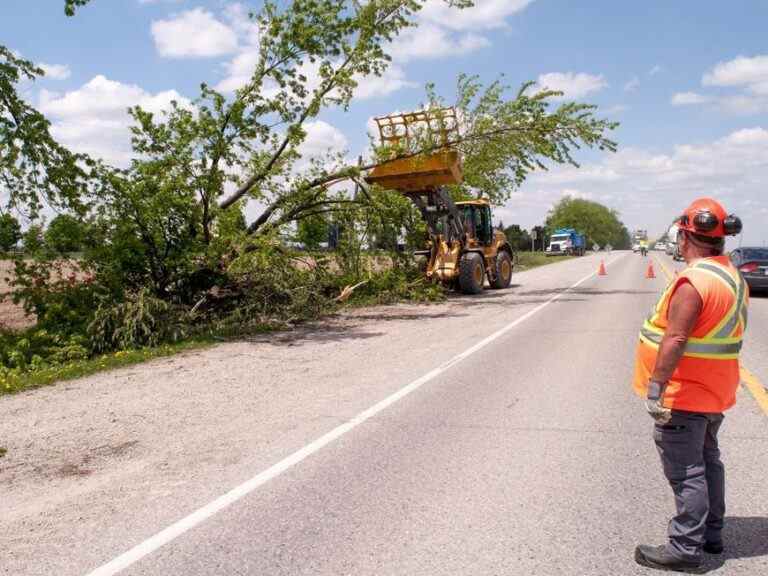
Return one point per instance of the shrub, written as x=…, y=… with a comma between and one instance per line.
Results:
x=142, y=320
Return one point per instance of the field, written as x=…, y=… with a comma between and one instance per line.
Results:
x=11, y=315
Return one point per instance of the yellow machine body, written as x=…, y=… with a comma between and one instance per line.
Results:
x=464, y=249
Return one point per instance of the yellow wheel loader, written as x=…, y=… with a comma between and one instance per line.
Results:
x=464, y=250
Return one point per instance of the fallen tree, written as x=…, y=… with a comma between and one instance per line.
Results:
x=167, y=249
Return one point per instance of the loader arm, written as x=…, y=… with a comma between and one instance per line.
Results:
x=440, y=213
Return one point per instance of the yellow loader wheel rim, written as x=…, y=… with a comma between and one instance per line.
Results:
x=506, y=270
x=478, y=273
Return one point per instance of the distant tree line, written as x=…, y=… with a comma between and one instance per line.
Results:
x=601, y=225
x=63, y=235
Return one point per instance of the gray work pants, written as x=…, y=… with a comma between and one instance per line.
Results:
x=691, y=460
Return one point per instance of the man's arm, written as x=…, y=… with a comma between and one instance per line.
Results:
x=684, y=311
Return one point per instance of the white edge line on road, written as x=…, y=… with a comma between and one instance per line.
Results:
x=201, y=514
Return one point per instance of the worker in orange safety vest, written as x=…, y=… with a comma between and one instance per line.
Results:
x=687, y=370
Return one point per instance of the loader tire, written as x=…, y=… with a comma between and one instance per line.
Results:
x=471, y=273
x=503, y=271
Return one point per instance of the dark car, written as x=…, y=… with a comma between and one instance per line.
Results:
x=753, y=264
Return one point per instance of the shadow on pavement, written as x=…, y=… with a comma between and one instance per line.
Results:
x=389, y=317
x=583, y=291
x=312, y=333
x=500, y=302
x=744, y=537
x=592, y=292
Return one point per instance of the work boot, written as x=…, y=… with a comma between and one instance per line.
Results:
x=714, y=547
x=659, y=557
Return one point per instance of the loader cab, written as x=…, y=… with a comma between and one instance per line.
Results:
x=476, y=216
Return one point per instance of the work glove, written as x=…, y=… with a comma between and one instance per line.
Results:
x=654, y=403
x=657, y=411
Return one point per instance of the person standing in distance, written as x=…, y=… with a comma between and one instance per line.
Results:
x=687, y=369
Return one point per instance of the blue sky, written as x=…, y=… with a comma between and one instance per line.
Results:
x=688, y=80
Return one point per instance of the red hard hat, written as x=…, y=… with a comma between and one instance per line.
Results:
x=704, y=216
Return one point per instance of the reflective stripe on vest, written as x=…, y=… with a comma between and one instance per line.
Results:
x=720, y=343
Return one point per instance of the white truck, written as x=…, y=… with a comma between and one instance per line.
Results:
x=672, y=248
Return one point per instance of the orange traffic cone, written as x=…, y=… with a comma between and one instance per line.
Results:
x=650, y=273
x=602, y=271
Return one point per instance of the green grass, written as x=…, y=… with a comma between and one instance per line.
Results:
x=528, y=260
x=13, y=382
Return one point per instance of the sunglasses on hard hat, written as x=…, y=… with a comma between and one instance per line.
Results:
x=705, y=221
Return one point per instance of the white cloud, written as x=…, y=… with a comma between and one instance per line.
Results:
x=573, y=85
x=655, y=70
x=193, y=34
x=632, y=84
x=576, y=193
x=432, y=41
x=321, y=139
x=741, y=71
x=94, y=119
x=649, y=188
x=486, y=14
x=749, y=75
x=442, y=32
x=688, y=98
x=55, y=71
x=391, y=81
x=240, y=69
x=238, y=17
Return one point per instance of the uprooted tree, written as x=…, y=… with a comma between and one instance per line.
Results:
x=171, y=227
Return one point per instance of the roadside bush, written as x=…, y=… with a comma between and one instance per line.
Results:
x=59, y=293
x=142, y=320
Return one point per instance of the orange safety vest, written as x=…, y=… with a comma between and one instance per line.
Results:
x=707, y=376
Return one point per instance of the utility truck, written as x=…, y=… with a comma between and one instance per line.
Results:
x=567, y=241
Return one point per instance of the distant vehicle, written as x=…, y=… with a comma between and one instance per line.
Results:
x=672, y=248
x=567, y=241
x=660, y=246
x=638, y=238
x=753, y=265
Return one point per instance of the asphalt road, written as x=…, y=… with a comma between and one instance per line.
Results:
x=527, y=454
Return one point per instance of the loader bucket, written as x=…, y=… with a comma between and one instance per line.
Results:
x=403, y=136
x=421, y=172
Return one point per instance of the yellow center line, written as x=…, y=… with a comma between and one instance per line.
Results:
x=752, y=384
x=664, y=269
x=748, y=380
